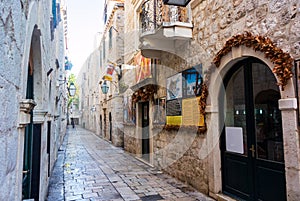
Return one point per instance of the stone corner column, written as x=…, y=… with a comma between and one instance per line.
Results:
x=291, y=146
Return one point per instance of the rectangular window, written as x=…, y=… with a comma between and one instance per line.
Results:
x=105, y=14
x=110, y=38
x=54, y=15
x=103, y=49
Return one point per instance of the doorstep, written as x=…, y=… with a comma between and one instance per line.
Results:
x=221, y=197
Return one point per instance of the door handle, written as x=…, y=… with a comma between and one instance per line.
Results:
x=25, y=171
x=252, y=149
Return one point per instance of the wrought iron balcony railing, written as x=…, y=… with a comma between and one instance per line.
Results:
x=155, y=14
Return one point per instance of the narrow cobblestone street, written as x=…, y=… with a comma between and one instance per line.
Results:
x=90, y=168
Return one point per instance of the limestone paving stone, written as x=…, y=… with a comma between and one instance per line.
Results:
x=95, y=170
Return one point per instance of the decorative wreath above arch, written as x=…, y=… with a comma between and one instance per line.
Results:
x=282, y=60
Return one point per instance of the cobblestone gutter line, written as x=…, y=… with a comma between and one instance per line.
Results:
x=56, y=189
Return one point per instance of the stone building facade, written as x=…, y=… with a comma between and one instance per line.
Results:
x=112, y=56
x=238, y=137
x=33, y=96
x=103, y=113
x=200, y=158
x=89, y=92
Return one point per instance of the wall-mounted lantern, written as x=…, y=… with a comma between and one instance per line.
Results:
x=183, y=3
x=104, y=87
x=72, y=89
x=93, y=109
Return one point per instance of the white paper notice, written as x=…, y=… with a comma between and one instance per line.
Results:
x=234, y=139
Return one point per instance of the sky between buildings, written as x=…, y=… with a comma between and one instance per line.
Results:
x=84, y=23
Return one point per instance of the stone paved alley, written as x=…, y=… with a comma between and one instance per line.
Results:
x=90, y=168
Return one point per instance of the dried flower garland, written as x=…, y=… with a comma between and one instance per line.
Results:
x=144, y=93
x=202, y=100
x=198, y=129
x=202, y=105
x=283, y=61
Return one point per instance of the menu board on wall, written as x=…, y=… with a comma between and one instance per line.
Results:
x=234, y=139
x=190, y=112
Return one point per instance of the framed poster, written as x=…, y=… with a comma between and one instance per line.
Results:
x=174, y=87
x=129, y=110
x=192, y=81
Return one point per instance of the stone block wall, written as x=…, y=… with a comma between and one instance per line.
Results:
x=214, y=23
x=178, y=154
x=131, y=32
x=117, y=121
x=217, y=21
x=131, y=143
x=22, y=23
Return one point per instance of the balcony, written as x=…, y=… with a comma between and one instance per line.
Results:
x=164, y=28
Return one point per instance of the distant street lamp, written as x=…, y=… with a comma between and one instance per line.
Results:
x=93, y=109
x=104, y=87
x=72, y=89
x=183, y=3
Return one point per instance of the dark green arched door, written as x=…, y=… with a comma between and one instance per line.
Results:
x=28, y=143
x=252, y=143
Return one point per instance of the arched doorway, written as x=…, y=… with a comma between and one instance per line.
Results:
x=252, y=139
x=33, y=131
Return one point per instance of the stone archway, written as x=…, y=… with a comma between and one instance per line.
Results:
x=287, y=105
x=31, y=55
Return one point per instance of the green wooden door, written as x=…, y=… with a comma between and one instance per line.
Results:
x=28, y=142
x=145, y=131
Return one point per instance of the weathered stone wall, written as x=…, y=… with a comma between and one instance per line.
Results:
x=127, y=128
x=117, y=121
x=217, y=21
x=131, y=143
x=89, y=90
x=12, y=20
x=214, y=23
x=131, y=30
x=22, y=24
x=119, y=35
x=179, y=154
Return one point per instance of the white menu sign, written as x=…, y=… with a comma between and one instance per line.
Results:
x=234, y=139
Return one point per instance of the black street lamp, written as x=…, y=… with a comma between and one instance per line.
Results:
x=104, y=87
x=177, y=2
x=72, y=89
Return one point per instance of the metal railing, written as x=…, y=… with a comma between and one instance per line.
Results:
x=154, y=14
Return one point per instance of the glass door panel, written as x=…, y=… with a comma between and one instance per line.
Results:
x=235, y=118
x=268, y=127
